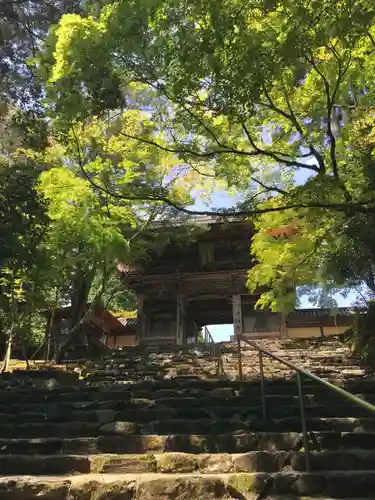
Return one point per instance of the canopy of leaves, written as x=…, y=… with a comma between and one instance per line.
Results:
x=271, y=84
x=275, y=98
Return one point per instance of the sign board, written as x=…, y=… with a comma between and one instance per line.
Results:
x=237, y=315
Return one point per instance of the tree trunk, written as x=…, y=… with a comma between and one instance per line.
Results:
x=25, y=355
x=49, y=335
x=82, y=285
x=8, y=351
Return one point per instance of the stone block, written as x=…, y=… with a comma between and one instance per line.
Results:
x=27, y=489
x=105, y=416
x=119, y=427
x=223, y=392
x=187, y=488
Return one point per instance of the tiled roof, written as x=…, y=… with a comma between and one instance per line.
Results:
x=318, y=313
x=128, y=321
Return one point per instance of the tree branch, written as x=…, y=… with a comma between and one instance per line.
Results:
x=293, y=119
x=347, y=208
x=200, y=154
x=314, y=152
x=275, y=155
x=330, y=102
x=269, y=188
x=336, y=207
x=372, y=39
x=224, y=148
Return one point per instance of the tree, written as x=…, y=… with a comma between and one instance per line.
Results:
x=256, y=91
x=23, y=224
x=91, y=228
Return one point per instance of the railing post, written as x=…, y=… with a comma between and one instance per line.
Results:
x=262, y=388
x=303, y=422
x=239, y=355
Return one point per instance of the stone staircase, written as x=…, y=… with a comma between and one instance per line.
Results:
x=156, y=424
x=326, y=358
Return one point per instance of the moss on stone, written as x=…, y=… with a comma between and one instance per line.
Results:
x=177, y=462
x=145, y=463
x=199, y=444
x=95, y=490
x=244, y=483
x=153, y=443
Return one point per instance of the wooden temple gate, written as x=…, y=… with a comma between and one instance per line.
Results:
x=192, y=284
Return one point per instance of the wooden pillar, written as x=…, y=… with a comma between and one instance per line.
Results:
x=238, y=328
x=237, y=314
x=141, y=319
x=180, y=320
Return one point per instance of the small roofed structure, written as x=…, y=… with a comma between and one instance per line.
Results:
x=124, y=337
x=320, y=322
x=304, y=323
x=102, y=326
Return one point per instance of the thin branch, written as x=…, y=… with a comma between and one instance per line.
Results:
x=372, y=39
x=211, y=176
x=314, y=152
x=199, y=154
x=337, y=207
x=273, y=106
x=225, y=149
x=275, y=156
x=329, y=101
x=292, y=118
x=269, y=188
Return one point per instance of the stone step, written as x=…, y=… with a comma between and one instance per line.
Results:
x=254, y=461
x=220, y=443
x=285, y=424
x=180, y=443
x=147, y=486
x=188, y=397
x=194, y=398
x=145, y=412
x=207, y=426
x=88, y=393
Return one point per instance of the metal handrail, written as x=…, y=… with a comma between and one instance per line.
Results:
x=301, y=372
x=209, y=341
x=355, y=399
x=214, y=351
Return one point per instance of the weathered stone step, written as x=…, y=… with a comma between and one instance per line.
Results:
x=207, y=426
x=88, y=393
x=188, y=382
x=249, y=486
x=191, y=399
x=254, y=461
x=196, y=405
x=220, y=443
x=285, y=424
x=145, y=412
